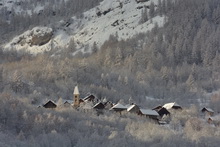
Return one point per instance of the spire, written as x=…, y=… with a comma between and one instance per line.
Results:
x=76, y=97
x=76, y=90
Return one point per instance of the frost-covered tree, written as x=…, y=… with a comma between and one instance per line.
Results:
x=151, y=10
x=144, y=16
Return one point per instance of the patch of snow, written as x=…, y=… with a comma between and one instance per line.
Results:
x=38, y=8
x=170, y=105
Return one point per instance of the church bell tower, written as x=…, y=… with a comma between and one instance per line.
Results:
x=76, y=97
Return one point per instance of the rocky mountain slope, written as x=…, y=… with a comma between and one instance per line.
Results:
x=120, y=18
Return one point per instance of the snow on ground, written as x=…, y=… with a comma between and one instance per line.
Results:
x=11, y=4
x=25, y=41
x=118, y=17
x=121, y=21
x=18, y=6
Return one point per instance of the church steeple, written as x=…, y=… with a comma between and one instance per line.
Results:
x=76, y=96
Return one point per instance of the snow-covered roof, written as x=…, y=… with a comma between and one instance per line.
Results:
x=49, y=101
x=157, y=107
x=131, y=107
x=76, y=90
x=119, y=106
x=170, y=105
x=149, y=112
x=89, y=97
x=208, y=109
x=68, y=101
x=97, y=104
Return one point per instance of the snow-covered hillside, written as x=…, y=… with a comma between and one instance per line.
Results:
x=113, y=17
x=23, y=6
x=19, y=6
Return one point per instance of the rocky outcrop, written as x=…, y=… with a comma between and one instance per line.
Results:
x=37, y=36
x=41, y=37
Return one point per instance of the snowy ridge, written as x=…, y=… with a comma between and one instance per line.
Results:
x=120, y=18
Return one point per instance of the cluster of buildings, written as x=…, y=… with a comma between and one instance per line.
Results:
x=91, y=102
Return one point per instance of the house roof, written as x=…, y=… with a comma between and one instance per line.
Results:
x=119, y=106
x=50, y=102
x=67, y=101
x=171, y=105
x=131, y=107
x=207, y=109
x=76, y=90
x=163, y=111
x=157, y=107
x=149, y=112
x=63, y=101
x=99, y=105
x=89, y=98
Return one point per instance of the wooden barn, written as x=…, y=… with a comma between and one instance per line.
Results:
x=108, y=105
x=163, y=111
x=149, y=113
x=99, y=105
x=207, y=111
x=50, y=104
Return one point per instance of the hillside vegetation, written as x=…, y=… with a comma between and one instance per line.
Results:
x=179, y=62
